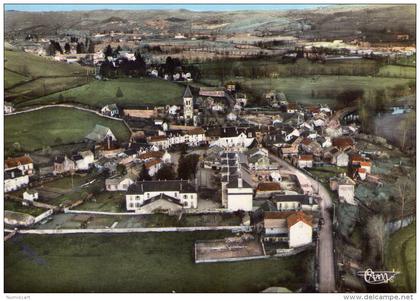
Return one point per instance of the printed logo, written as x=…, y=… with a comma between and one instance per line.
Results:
x=377, y=277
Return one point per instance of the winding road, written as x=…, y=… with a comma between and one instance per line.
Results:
x=326, y=247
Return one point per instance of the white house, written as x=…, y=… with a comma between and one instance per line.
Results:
x=118, y=183
x=23, y=163
x=346, y=190
x=8, y=108
x=166, y=158
x=340, y=159
x=84, y=160
x=305, y=161
x=153, y=166
x=15, y=179
x=293, y=133
x=300, y=229
x=180, y=191
x=173, y=110
x=30, y=196
x=110, y=110
x=232, y=138
x=239, y=195
x=100, y=133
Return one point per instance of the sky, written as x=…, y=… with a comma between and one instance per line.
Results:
x=193, y=7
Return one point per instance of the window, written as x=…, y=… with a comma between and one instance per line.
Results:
x=191, y=197
x=185, y=196
x=176, y=194
x=137, y=198
x=148, y=195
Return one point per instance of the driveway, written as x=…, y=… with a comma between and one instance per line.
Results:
x=326, y=253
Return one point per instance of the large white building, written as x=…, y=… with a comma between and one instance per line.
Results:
x=234, y=138
x=15, y=179
x=169, y=194
x=239, y=195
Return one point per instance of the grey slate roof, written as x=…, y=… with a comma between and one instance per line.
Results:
x=187, y=92
x=172, y=185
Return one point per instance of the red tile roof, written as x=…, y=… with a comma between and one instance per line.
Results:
x=14, y=162
x=149, y=155
x=270, y=186
x=151, y=163
x=342, y=142
x=299, y=216
x=306, y=157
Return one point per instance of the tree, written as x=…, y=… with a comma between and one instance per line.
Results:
x=166, y=172
x=144, y=175
x=407, y=126
x=90, y=46
x=80, y=48
x=119, y=93
x=116, y=51
x=67, y=48
x=121, y=169
x=60, y=98
x=108, y=51
x=375, y=229
x=187, y=166
x=406, y=194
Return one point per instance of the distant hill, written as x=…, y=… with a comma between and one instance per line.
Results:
x=373, y=22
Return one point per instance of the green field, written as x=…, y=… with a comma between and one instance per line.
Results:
x=135, y=91
x=29, y=76
x=43, y=86
x=12, y=78
x=401, y=256
x=322, y=89
x=397, y=71
x=273, y=67
x=54, y=126
x=36, y=66
x=18, y=207
x=148, y=262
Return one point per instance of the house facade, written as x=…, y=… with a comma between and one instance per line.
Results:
x=140, y=192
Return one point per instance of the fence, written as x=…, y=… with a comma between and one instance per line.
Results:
x=43, y=215
x=135, y=230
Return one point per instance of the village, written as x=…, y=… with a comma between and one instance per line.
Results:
x=233, y=148
x=256, y=167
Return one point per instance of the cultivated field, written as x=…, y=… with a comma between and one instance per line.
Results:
x=55, y=126
x=135, y=92
x=148, y=262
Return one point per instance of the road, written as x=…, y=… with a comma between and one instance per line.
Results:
x=326, y=248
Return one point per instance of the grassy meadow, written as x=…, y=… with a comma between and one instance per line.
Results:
x=30, y=76
x=401, y=256
x=55, y=126
x=147, y=262
x=135, y=91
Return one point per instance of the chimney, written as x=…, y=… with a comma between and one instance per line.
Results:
x=142, y=187
x=240, y=184
x=109, y=143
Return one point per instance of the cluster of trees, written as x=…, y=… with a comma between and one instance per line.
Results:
x=53, y=48
x=187, y=169
x=87, y=47
x=123, y=66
